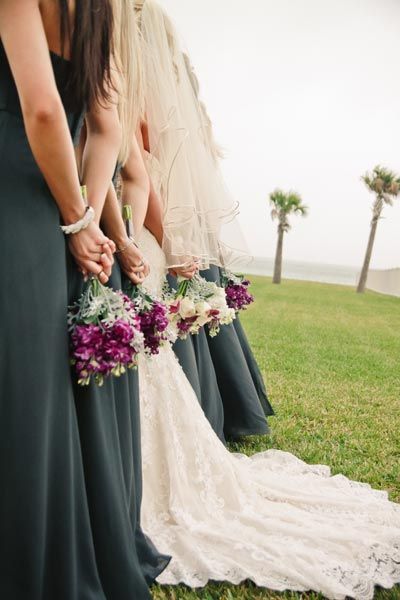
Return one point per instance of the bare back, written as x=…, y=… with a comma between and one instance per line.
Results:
x=51, y=16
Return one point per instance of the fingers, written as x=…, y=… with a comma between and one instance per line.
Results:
x=111, y=245
x=187, y=273
x=136, y=279
x=131, y=264
x=106, y=262
x=103, y=278
x=100, y=239
x=107, y=249
x=138, y=269
x=103, y=261
x=90, y=266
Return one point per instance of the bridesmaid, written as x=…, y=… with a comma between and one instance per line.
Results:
x=113, y=409
x=53, y=523
x=240, y=381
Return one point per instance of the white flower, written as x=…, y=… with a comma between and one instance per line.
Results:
x=220, y=293
x=228, y=317
x=218, y=302
x=203, y=311
x=187, y=308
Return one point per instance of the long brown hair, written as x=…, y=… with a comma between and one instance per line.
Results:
x=91, y=50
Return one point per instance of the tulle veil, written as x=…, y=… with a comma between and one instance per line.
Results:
x=199, y=213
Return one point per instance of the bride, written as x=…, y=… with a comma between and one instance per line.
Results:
x=270, y=518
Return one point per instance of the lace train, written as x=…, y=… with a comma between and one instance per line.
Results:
x=270, y=518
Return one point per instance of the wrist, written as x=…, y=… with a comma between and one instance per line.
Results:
x=120, y=239
x=74, y=213
x=81, y=224
x=129, y=242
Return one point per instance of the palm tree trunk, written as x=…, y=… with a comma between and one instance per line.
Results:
x=278, y=257
x=367, y=260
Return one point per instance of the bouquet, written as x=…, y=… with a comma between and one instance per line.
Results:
x=152, y=313
x=153, y=319
x=105, y=334
x=237, y=292
x=196, y=303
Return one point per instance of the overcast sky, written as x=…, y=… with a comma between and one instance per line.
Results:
x=304, y=94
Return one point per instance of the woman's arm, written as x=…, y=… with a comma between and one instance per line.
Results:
x=100, y=153
x=153, y=220
x=136, y=186
x=135, y=193
x=129, y=255
x=153, y=216
x=25, y=43
x=23, y=37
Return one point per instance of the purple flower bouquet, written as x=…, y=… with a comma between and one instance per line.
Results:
x=153, y=319
x=237, y=292
x=105, y=334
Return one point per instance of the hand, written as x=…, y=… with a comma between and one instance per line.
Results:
x=93, y=252
x=133, y=264
x=187, y=272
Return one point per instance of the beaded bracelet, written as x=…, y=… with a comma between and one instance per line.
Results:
x=81, y=224
x=128, y=245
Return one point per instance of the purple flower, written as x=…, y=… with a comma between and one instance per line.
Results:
x=153, y=324
x=122, y=331
x=237, y=295
x=104, y=334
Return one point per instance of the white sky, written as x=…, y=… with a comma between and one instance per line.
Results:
x=304, y=94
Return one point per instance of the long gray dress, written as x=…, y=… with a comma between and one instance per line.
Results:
x=69, y=498
x=240, y=382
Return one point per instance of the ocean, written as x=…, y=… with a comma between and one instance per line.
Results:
x=306, y=271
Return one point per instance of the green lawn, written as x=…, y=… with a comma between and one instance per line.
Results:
x=331, y=359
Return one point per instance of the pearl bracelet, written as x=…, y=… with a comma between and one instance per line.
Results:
x=81, y=224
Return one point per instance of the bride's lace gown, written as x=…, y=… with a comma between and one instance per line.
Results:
x=270, y=518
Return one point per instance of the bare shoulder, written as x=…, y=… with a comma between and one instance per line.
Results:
x=29, y=61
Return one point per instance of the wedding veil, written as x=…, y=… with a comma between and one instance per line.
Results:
x=184, y=156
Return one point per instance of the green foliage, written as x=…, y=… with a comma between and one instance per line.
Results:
x=331, y=362
x=285, y=204
x=384, y=183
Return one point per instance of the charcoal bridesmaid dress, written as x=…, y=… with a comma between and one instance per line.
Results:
x=195, y=359
x=240, y=382
x=109, y=425
x=68, y=507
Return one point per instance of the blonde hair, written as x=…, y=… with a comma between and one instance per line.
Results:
x=128, y=64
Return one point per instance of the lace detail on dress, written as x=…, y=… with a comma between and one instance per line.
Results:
x=270, y=518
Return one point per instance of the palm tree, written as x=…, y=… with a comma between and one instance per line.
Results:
x=386, y=186
x=284, y=204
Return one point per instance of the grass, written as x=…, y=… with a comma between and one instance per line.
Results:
x=331, y=360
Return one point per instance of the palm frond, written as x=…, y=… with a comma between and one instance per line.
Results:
x=383, y=182
x=284, y=204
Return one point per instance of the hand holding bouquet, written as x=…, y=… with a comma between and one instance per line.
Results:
x=105, y=334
